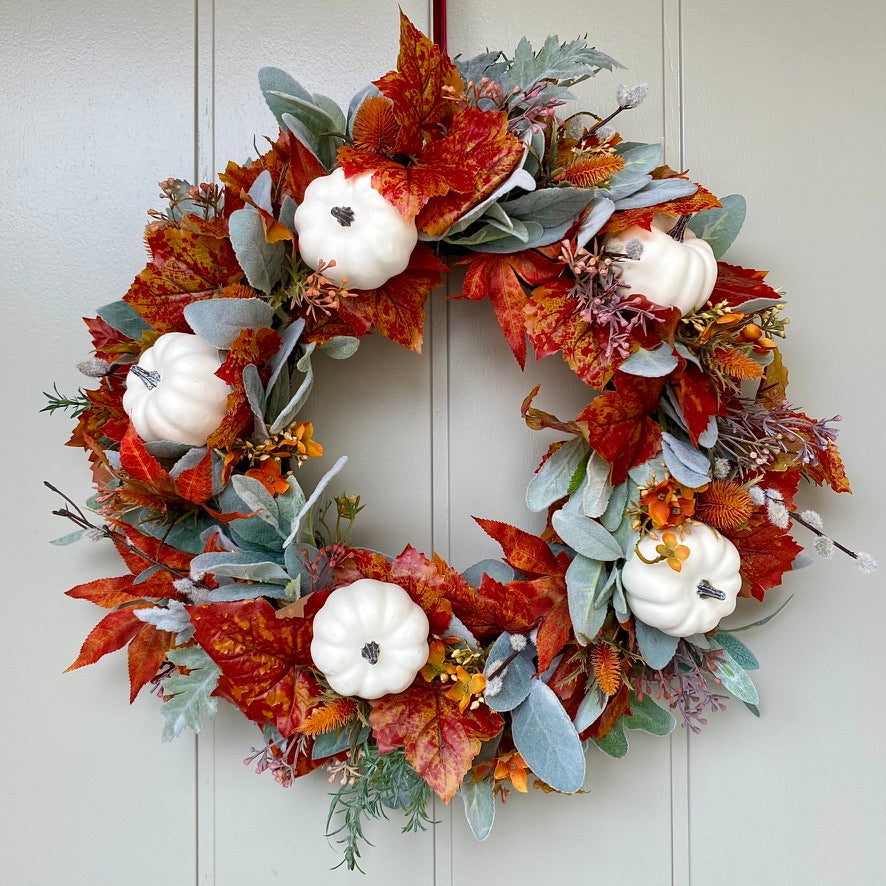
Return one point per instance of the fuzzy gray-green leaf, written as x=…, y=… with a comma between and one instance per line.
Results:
x=552, y=480
x=546, y=739
x=189, y=698
x=479, y=803
x=586, y=536
x=720, y=226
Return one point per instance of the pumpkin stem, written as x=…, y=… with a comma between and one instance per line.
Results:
x=370, y=652
x=149, y=379
x=344, y=215
x=706, y=589
x=679, y=229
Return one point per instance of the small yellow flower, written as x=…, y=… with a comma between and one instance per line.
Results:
x=674, y=554
x=465, y=687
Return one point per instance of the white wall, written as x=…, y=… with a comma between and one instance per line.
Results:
x=780, y=102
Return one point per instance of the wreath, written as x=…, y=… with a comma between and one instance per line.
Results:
x=672, y=495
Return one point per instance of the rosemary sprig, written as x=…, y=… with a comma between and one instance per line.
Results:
x=56, y=400
x=372, y=783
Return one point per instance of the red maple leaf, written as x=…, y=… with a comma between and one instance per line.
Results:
x=495, y=607
x=185, y=267
x=147, y=645
x=767, y=552
x=479, y=143
x=736, y=285
x=397, y=309
x=196, y=484
x=140, y=464
x=251, y=346
x=262, y=659
x=439, y=740
x=829, y=469
x=430, y=583
x=697, y=395
x=554, y=632
x=525, y=552
x=407, y=187
x=501, y=279
x=620, y=427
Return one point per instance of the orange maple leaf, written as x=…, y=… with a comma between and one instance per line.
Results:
x=439, y=740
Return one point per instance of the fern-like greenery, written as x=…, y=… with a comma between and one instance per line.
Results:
x=374, y=783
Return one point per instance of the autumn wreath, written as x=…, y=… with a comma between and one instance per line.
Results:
x=672, y=495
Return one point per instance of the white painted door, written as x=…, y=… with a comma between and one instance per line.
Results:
x=780, y=102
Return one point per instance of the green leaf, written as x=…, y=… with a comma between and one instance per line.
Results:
x=245, y=565
x=614, y=515
x=121, y=316
x=256, y=498
x=719, y=227
x=615, y=742
x=736, y=649
x=568, y=63
x=496, y=569
x=516, y=680
x=590, y=709
x=340, y=347
x=762, y=621
x=189, y=696
x=479, y=801
x=656, y=363
x=221, y=320
x=734, y=678
x=261, y=261
x=552, y=480
x=69, y=539
x=583, y=579
x=597, y=491
x=656, y=647
x=273, y=81
x=331, y=743
x=586, y=536
x=657, y=191
x=547, y=740
x=647, y=716
x=685, y=463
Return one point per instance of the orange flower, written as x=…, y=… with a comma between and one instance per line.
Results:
x=514, y=767
x=268, y=474
x=465, y=687
x=669, y=503
x=674, y=554
x=437, y=664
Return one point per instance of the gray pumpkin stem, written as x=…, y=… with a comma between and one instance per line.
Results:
x=149, y=379
x=344, y=215
x=706, y=589
x=370, y=652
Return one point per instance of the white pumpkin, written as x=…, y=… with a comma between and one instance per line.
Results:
x=347, y=221
x=370, y=639
x=668, y=272
x=173, y=393
x=693, y=600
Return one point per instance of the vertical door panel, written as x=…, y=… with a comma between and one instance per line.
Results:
x=493, y=456
x=775, y=93
x=374, y=408
x=97, y=106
